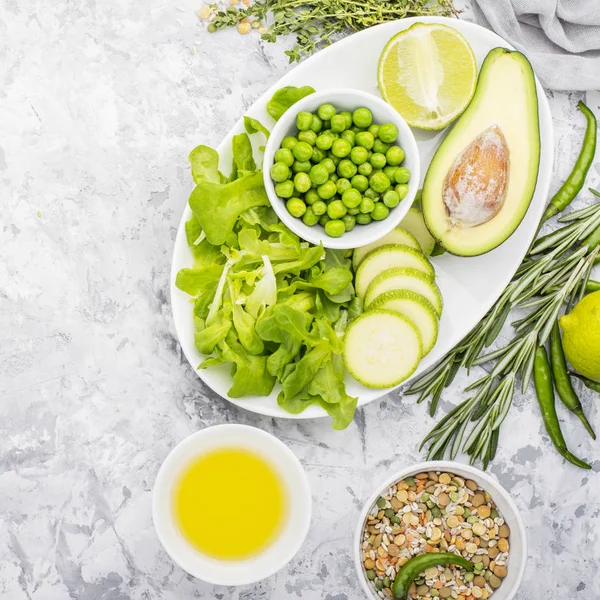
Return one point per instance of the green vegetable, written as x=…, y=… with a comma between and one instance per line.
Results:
x=362, y=117
x=254, y=126
x=417, y=564
x=394, y=156
x=387, y=133
x=561, y=379
x=285, y=97
x=592, y=385
x=205, y=165
x=545, y=395
x=592, y=286
x=574, y=182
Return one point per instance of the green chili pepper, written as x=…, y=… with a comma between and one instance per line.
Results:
x=545, y=394
x=574, y=182
x=562, y=381
x=592, y=385
x=592, y=286
x=410, y=571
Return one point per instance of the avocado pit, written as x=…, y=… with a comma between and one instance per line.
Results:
x=474, y=189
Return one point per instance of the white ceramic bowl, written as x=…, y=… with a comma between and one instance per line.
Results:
x=344, y=99
x=279, y=553
x=518, y=537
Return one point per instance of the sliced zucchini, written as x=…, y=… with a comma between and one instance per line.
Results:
x=405, y=279
x=382, y=348
x=417, y=308
x=415, y=224
x=396, y=236
x=388, y=257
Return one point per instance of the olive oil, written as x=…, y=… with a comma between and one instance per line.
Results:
x=230, y=504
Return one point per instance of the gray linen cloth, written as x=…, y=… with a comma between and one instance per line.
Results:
x=561, y=38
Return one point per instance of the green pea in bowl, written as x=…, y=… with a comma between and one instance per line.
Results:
x=346, y=184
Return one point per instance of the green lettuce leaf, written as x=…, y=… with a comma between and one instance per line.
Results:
x=342, y=413
x=205, y=164
x=242, y=155
x=288, y=350
x=218, y=206
x=298, y=403
x=306, y=369
x=244, y=324
x=207, y=339
x=196, y=281
x=255, y=126
x=309, y=257
x=285, y=97
x=249, y=373
x=265, y=291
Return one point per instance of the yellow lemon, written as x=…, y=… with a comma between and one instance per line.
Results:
x=581, y=336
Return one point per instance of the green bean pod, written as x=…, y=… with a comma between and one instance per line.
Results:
x=574, y=182
x=544, y=390
x=592, y=385
x=592, y=286
x=562, y=381
x=410, y=571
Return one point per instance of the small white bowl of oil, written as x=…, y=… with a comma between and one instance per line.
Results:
x=231, y=504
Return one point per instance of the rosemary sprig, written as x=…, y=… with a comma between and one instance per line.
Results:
x=316, y=23
x=551, y=275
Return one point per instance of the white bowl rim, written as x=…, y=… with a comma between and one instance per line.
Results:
x=487, y=483
x=368, y=234
x=159, y=518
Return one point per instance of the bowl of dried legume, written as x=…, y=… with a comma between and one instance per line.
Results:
x=423, y=515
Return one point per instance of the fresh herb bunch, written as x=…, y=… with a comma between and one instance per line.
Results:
x=318, y=22
x=551, y=275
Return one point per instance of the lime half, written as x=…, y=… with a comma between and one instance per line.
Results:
x=428, y=73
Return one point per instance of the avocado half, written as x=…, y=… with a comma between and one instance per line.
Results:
x=482, y=178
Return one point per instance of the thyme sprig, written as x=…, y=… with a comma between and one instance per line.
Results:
x=316, y=23
x=552, y=274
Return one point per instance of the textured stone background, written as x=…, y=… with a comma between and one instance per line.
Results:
x=100, y=103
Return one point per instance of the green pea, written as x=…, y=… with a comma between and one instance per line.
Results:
x=335, y=228
x=377, y=160
x=334, y=177
x=395, y=520
x=494, y=514
x=453, y=496
x=280, y=172
x=329, y=165
x=401, y=190
x=326, y=111
x=435, y=511
x=301, y=166
x=349, y=223
x=390, y=171
x=379, y=182
x=326, y=124
x=387, y=582
x=311, y=197
x=212, y=28
x=303, y=121
x=372, y=194
x=362, y=117
x=380, y=146
x=402, y=174
x=366, y=205
x=285, y=156
x=289, y=142
x=364, y=139
x=395, y=155
x=347, y=168
x=338, y=123
x=310, y=137
x=336, y=159
x=467, y=513
x=380, y=212
x=356, y=129
x=336, y=209
x=348, y=117
x=296, y=207
x=309, y=218
x=378, y=584
x=371, y=574
x=365, y=169
x=433, y=593
x=324, y=141
x=324, y=219
x=285, y=189
x=334, y=134
x=354, y=211
x=388, y=133
x=319, y=174
x=341, y=148
x=319, y=207
x=317, y=123
x=373, y=130
x=342, y=184
x=348, y=136
x=327, y=190
x=302, y=182
x=469, y=576
x=360, y=182
x=365, y=219
x=302, y=151
x=318, y=155
x=351, y=198
x=359, y=155
x=389, y=513
x=391, y=200
x=424, y=496
x=430, y=504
